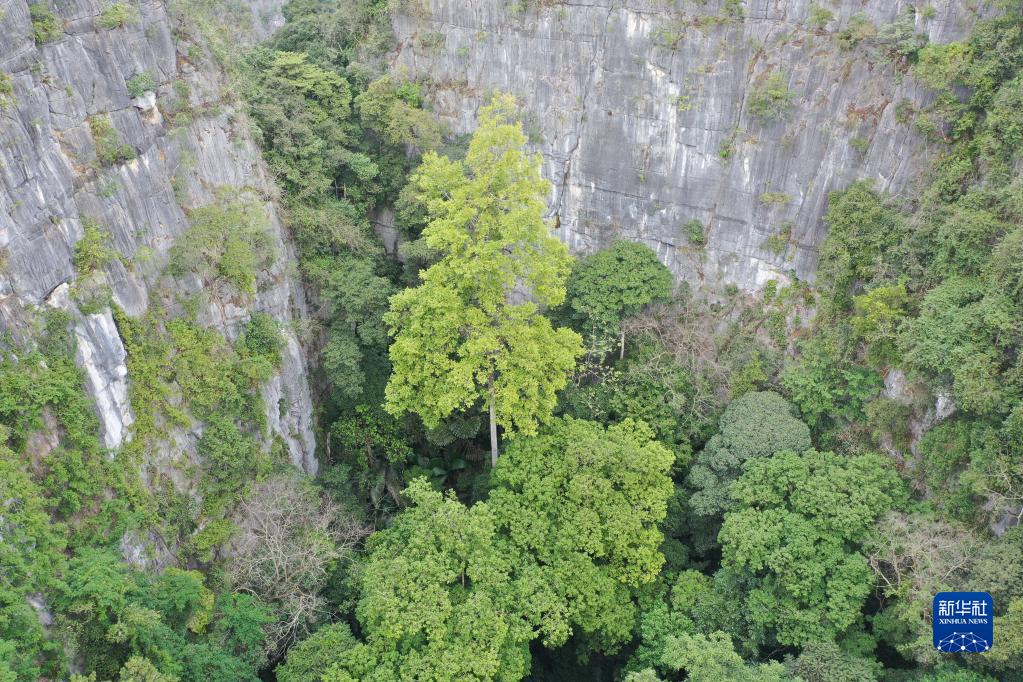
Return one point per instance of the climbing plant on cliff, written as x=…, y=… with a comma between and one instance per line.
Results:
x=341, y=137
x=932, y=287
x=472, y=331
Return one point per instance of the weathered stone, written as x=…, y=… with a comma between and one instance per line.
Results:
x=50, y=181
x=634, y=132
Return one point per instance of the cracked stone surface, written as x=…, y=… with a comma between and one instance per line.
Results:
x=50, y=182
x=632, y=131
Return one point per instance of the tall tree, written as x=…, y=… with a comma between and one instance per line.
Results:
x=472, y=331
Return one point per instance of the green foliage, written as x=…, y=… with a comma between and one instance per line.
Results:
x=825, y=385
x=438, y=600
x=459, y=338
x=227, y=241
x=797, y=525
x=669, y=34
x=46, y=27
x=775, y=198
x=373, y=446
x=712, y=658
x=939, y=553
x=118, y=15
x=91, y=251
x=771, y=100
x=650, y=386
x=755, y=425
x=957, y=459
x=140, y=84
x=778, y=243
x=6, y=90
x=213, y=377
x=611, y=285
x=262, y=338
x=128, y=622
x=308, y=659
x=695, y=232
x=181, y=372
x=826, y=662
x=863, y=233
x=961, y=331
x=934, y=287
x=30, y=559
x=394, y=108
x=34, y=389
x=901, y=37
x=303, y=112
x=582, y=506
x=110, y=150
x=351, y=35
x=456, y=592
x=858, y=30
x=357, y=297
x=230, y=459
x=819, y=16
x=938, y=65
x=876, y=317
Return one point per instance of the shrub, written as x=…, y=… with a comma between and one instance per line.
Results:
x=900, y=36
x=669, y=35
x=858, y=29
x=140, y=83
x=110, y=150
x=753, y=425
x=117, y=15
x=46, y=27
x=226, y=241
x=820, y=16
x=91, y=251
x=695, y=232
x=864, y=231
x=777, y=243
x=771, y=100
x=6, y=88
x=263, y=338
x=774, y=198
x=230, y=460
x=940, y=66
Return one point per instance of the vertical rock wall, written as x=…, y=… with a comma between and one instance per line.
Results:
x=50, y=182
x=641, y=111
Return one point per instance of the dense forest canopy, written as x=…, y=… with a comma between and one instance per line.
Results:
x=534, y=465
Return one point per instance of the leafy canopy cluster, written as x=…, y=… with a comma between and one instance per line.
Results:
x=796, y=526
x=564, y=542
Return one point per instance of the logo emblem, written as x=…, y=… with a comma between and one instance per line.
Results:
x=964, y=622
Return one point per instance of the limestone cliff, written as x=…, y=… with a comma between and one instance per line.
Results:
x=52, y=185
x=642, y=110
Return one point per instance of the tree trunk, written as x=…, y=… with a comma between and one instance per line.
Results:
x=493, y=426
x=621, y=352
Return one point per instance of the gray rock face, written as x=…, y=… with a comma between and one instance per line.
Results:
x=51, y=181
x=641, y=109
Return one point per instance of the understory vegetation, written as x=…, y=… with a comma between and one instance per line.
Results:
x=532, y=466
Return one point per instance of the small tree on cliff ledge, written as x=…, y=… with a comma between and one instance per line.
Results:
x=472, y=331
